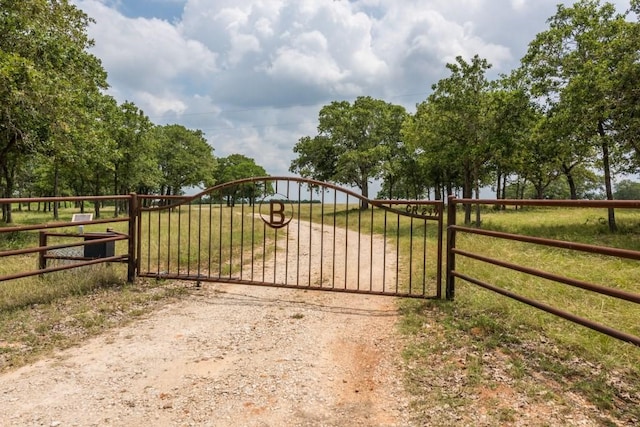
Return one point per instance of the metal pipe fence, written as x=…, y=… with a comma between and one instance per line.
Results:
x=293, y=232
x=74, y=252
x=453, y=252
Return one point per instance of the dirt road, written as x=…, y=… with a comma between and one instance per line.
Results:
x=226, y=355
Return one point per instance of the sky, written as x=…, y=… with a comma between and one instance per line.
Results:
x=254, y=74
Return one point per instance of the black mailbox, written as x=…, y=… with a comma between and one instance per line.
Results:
x=99, y=250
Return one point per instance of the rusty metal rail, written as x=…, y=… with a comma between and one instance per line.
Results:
x=80, y=261
x=560, y=313
x=293, y=232
x=453, y=251
x=301, y=233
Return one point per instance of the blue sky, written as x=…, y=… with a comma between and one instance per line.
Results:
x=170, y=10
x=253, y=74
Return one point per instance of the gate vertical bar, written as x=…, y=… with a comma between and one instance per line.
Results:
x=242, y=235
x=199, y=269
x=168, y=241
x=310, y=229
x=138, y=213
x=159, y=242
x=275, y=244
x=333, y=260
x=210, y=232
x=179, y=237
x=371, y=252
x=189, y=240
x=148, y=241
x=233, y=203
x=42, y=259
x=410, y=255
x=440, y=208
x=264, y=249
x=286, y=254
x=346, y=243
x=397, y=253
x=220, y=236
x=424, y=258
x=359, y=239
x=451, y=244
x=253, y=235
x=384, y=254
x=298, y=236
x=133, y=213
x=322, y=189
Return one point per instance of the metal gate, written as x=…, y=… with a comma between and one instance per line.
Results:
x=293, y=232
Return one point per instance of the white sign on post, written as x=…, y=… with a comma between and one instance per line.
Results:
x=81, y=217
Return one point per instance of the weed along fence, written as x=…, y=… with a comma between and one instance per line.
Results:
x=65, y=245
x=523, y=278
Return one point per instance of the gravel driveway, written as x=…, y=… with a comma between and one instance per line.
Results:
x=226, y=355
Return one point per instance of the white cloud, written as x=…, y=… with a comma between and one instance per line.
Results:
x=253, y=74
x=145, y=53
x=518, y=4
x=242, y=44
x=160, y=104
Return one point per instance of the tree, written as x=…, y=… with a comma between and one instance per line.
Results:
x=458, y=110
x=511, y=118
x=576, y=70
x=238, y=166
x=352, y=144
x=628, y=190
x=431, y=150
x=136, y=162
x=403, y=175
x=185, y=159
x=46, y=79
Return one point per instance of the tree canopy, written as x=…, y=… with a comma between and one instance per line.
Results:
x=578, y=71
x=61, y=134
x=235, y=167
x=562, y=124
x=353, y=143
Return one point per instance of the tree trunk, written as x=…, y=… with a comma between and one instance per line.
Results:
x=476, y=182
x=96, y=204
x=539, y=189
x=115, y=190
x=504, y=190
x=607, y=177
x=8, y=190
x=449, y=189
x=467, y=193
x=573, y=192
x=56, y=174
x=364, y=204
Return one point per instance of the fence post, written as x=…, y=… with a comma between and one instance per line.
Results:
x=451, y=244
x=42, y=260
x=133, y=215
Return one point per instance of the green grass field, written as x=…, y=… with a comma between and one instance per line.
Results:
x=532, y=343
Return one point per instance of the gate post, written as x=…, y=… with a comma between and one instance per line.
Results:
x=451, y=244
x=133, y=215
x=42, y=260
